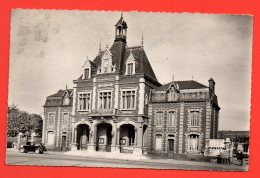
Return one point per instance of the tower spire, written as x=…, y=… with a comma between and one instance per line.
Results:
x=142, y=40
x=120, y=30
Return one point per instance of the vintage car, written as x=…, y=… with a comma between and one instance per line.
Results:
x=38, y=148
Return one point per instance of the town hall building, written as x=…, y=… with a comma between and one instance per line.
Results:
x=118, y=105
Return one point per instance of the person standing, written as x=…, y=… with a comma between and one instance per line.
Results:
x=240, y=157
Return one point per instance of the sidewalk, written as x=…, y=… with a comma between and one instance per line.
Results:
x=108, y=155
x=105, y=158
x=143, y=158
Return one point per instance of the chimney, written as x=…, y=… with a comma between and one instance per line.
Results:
x=212, y=85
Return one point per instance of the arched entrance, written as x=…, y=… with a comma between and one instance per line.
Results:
x=127, y=137
x=82, y=136
x=104, y=137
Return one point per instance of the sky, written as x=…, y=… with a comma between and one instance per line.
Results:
x=49, y=47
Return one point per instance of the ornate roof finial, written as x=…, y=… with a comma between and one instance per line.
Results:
x=107, y=46
x=121, y=14
x=192, y=77
x=99, y=46
x=173, y=77
x=142, y=41
x=66, y=86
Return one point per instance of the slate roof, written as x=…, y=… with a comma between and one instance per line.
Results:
x=57, y=98
x=142, y=65
x=120, y=53
x=187, y=84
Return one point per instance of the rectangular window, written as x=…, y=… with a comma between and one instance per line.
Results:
x=171, y=119
x=84, y=101
x=158, y=142
x=105, y=100
x=128, y=99
x=51, y=118
x=65, y=119
x=194, y=118
x=130, y=68
x=159, y=118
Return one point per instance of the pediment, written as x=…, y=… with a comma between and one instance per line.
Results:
x=107, y=54
x=87, y=64
x=173, y=87
x=130, y=58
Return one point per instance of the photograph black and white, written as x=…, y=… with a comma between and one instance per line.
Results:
x=118, y=89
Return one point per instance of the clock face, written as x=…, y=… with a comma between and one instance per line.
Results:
x=106, y=63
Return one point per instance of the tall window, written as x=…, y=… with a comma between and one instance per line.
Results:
x=105, y=100
x=158, y=142
x=171, y=119
x=50, y=138
x=193, y=142
x=159, y=118
x=51, y=118
x=66, y=100
x=86, y=71
x=130, y=68
x=128, y=99
x=146, y=99
x=194, y=118
x=84, y=101
x=65, y=119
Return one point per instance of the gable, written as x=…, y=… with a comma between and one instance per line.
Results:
x=87, y=64
x=130, y=58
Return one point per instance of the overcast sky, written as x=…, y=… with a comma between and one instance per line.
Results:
x=49, y=48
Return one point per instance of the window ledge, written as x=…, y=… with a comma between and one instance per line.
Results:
x=132, y=109
x=83, y=110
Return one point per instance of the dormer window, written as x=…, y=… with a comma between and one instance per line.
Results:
x=66, y=101
x=87, y=70
x=87, y=73
x=130, y=65
x=130, y=68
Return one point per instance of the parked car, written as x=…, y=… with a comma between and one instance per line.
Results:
x=38, y=148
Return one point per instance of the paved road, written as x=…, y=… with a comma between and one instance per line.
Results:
x=59, y=159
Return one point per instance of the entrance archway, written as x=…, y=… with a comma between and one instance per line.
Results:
x=82, y=136
x=127, y=137
x=104, y=137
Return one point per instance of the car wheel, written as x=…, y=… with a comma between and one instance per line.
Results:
x=22, y=150
x=37, y=151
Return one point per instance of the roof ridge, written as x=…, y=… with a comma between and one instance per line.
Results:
x=132, y=47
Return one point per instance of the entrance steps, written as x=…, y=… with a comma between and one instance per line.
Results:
x=108, y=155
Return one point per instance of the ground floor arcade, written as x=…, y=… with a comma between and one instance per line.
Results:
x=109, y=136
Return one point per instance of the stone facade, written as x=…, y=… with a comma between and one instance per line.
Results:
x=114, y=104
x=190, y=118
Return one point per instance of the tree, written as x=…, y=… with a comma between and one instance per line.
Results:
x=22, y=121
